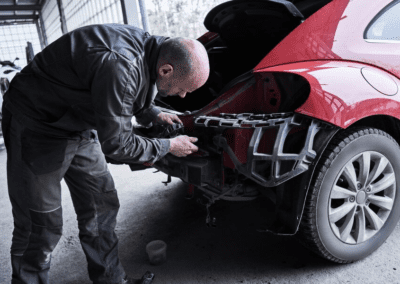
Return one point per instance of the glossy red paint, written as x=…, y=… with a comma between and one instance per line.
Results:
x=381, y=82
x=251, y=96
x=207, y=37
x=339, y=92
x=336, y=32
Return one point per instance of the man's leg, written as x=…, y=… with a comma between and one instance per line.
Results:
x=35, y=167
x=96, y=205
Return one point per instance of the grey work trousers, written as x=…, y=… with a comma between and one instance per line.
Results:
x=35, y=166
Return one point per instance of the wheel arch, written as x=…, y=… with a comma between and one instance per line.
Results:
x=389, y=124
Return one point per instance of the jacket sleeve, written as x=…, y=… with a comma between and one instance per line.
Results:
x=147, y=116
x=113, y=82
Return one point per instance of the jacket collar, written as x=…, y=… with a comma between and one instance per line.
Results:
x=152, y=50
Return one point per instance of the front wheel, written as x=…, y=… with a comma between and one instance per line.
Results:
x=353, y=203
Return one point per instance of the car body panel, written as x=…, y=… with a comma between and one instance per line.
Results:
x=326, y=36
x=340, y=93
x=208, y=36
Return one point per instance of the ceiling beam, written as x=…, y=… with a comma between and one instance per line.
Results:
x=20, y=7
x=19, y=17
x=15, y=23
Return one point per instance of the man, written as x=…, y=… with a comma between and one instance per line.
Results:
x=96, y=77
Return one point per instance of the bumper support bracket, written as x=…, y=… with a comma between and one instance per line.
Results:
x=284, y=122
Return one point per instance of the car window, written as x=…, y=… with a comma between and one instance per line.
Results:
x=385, y=27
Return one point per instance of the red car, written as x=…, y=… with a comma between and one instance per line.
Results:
x=302, y=107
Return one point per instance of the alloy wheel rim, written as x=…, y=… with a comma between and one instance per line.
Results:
x=362, y=197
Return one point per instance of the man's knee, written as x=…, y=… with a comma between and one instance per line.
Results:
x=46, y=231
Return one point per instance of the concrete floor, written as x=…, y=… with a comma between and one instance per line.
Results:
x=233, y=252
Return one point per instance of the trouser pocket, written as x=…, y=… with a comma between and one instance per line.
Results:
x=42, y=154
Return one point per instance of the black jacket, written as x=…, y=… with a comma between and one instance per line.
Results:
x=95, y=77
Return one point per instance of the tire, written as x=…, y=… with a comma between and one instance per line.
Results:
x=373, y=208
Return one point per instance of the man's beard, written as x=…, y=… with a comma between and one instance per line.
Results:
x=163, y=93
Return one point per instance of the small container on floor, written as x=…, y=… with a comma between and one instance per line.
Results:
x=157, y=252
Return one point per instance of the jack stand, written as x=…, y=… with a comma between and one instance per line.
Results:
x=168, y=181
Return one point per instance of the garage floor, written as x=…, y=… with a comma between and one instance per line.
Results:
x=233, y=252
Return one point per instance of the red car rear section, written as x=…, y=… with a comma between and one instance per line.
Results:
x=350, y=78
x=286, y=79
x=344, y=92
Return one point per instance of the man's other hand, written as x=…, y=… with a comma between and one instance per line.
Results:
x=182, y=146
x=167, y=118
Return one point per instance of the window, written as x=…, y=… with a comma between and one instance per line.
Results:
x=385, y=27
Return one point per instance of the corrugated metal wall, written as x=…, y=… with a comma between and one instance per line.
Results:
x=14, y=39
x=51, y=20
x=79, y=14
x=89, y=12
x=166, y=17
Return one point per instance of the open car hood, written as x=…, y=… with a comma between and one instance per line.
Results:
x=241, y=19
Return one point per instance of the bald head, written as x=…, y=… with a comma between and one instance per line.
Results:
x=183, y=62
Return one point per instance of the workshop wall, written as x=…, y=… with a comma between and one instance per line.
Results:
x=14, y=39
x=164, y=17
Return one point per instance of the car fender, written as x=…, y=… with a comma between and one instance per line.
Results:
x=343, y=92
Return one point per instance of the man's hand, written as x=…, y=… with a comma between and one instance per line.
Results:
x=167, y=118
x=182, y=146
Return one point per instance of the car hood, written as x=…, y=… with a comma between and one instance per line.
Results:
x=239, y=20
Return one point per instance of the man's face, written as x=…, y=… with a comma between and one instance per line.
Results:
x=173, y=85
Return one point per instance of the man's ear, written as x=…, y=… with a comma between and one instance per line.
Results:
x=166, y=71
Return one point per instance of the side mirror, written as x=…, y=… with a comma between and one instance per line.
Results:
x=16, y=58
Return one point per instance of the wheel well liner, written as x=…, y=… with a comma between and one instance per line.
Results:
x=291, y=195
